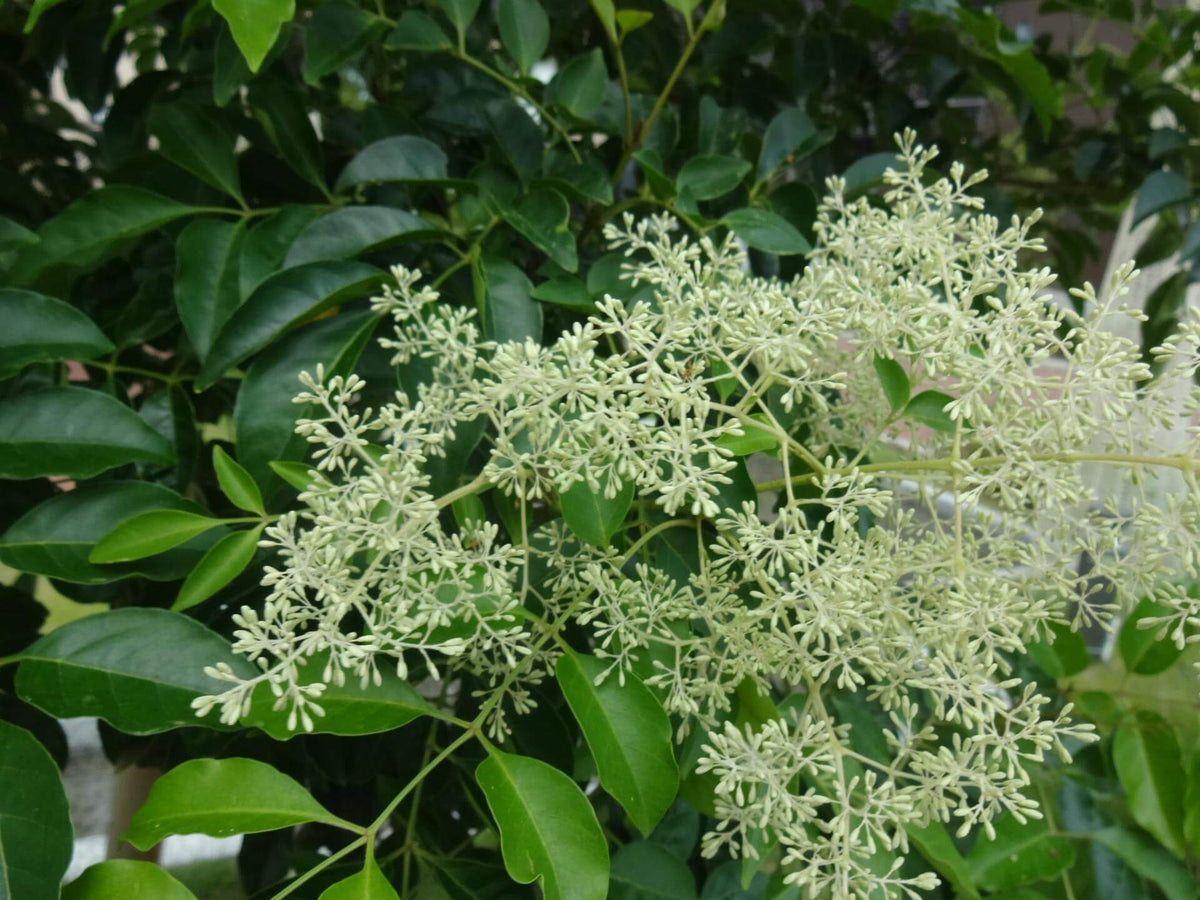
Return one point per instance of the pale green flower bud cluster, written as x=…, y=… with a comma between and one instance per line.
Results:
x=903, y=550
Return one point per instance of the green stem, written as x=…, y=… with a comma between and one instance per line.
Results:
x=474, y=487
x=321, y=866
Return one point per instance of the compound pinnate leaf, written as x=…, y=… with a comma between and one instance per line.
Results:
x=150, y=533
x=38, y=328
x=548, y=830
x=128, y=879
x=35, y=825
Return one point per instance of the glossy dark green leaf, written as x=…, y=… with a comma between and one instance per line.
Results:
x=75, y=432
x=38, y=328
x=255, y=25
x=1147, y=759
x=548, y=830
x=584, y=181
x=1019, y=855
x=223, y=562
x=894, y=381
x=1150, y=860
x=336, y=31
x=1191, y=805
x=416, y=31
x=580, y=85
x=138, y=669
x=1063, y=657
x=645, y=870
x=863, y=174
x=14, y=236
x=35, y=824
x=1033, y=82
x=709, y=175
x=1190, y=248
x=354, y=230
x=128, y=879
x=236, y=483
x=460, y=13
x=266, y=245
x=1159, y=191
x=230, y=71
x=207, y=257
x=766, y=231
x=150, y=533
x=928, y=408
x=56, y=536
x=525, y=31
x=566, y=291
x=400, y=159
x=1141, y=649
x=543, y=216
x=36, y=10
x=195, y=139
x=89, y=228
x=510, y=312
x=592, y=516
x=265, y=416
x=369, y=884
x=936, y=846
x=280, y=110
x=281, y=302
x=628, y=733
x=294, y=473
x=787, y=137
x=223, y=797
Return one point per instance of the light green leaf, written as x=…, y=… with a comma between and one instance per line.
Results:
x=752, y=439
x=645, y=870
x=336, y=32
x=223, y=797
x=766, y=231
x=128, y=879
x=1150, y=860
x=628, y=733
x=255, y=25
x=710, y=175
x=401, y=159
x=895, y=382
x=224, y=561
x=280, y=109
x=354, y=230
x=509, y=311
x=35, y=824
x=863, y=174
x=294, y=473
x=138, y=669
x=38, y=328
x=935, y=845
x=1147, y=759
x=1067, y=655
x=36, y=11
x=236, y=483
x=592, y=516
x=281, y=302
x=460, y=13
x=1191, y=805
x=75, y=432
x=207, y=254
x=632, y=19
x=1159, y=191
x=548, y=830
x=786, y=138
x=150, y=533
x=468, y=510
x=369, y=884
x=524, y=29
x=928, y=408
x=1019, y=855
x=687, y=7
x=416, y=31
x=543, y=216
x=565, y=291
x=581, y=84
x=606, y=13
x=195, y=139
x=1141, y=650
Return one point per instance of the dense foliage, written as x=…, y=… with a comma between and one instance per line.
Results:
x=540, y=565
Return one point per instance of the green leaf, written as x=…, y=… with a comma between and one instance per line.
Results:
x=255, y=25
x=1063, y=657
x=1147, y=759
x=56, y=536
x=645, y=870
x=787, y=137
x=336, y=32
x=401, y=159
x=294, y=473
x=150, y=533
x=83, y=233
x=35, y=825
x=222, y=797
x=1190, y=247
x=1141, y=650
x=236, y=483
x=686, y=7
x=606, y=13
x=632, y=19
x=544, y=217
x=928, y=409
x=710, y=175
x=416, y=31
x=1159, y=191
x=580, y=85
x=863, y=174
x=195, y=139
x=895, y=382
x=354, y=230
x=38, y=328
x=548, y=830
x=752, y=439
x=137, y=669
x=207, y=254
x=37, y=10
x=460, y=13
x=935, y=845
x=14, y=236
x=1191, y=805
x=266, y=246
x=592, y=516
x=766, y=231
x=509, y=312
x=525, y=31
x=566, y=291
x=1031, y=78
x=369, y=884
x=280, y=110
x=1019, y=855
x=224, y=561
x=1150, y=860
x=468, y=510
x=264, y=417
x=128, y=879
x=75, y=432
x=230, y=71
x=628, y=733
x=281, y=302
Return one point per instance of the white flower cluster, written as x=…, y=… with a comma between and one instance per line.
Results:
x=901, y=557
